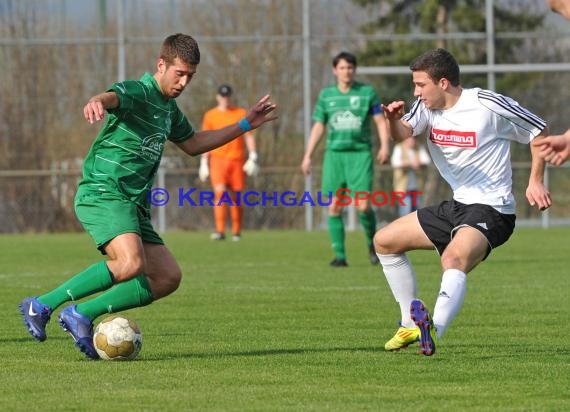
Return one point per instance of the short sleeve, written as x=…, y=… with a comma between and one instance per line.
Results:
x=181, y=128
x=513, y=121
x=418, y=118
x=128, y=92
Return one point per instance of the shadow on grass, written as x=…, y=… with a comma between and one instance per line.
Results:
x=481, y=352
x=254, y=353
x=29, y=339
x=495, y=351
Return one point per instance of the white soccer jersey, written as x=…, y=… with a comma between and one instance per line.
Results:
x=469, y=144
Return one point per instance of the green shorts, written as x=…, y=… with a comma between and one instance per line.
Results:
x=106, y=215
x=351, y=170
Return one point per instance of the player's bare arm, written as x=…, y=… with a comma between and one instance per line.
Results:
x=536, y=193
x=317, y=132
x=399, y=129
x=384, y=135
x=554, y=149
x=95, y=108
x=206, y=140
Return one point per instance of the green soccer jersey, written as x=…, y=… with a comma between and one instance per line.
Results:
x=125, y=156
x=347, y=116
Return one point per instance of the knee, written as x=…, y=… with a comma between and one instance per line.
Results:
x=380, y=243
x=450, y=260
x=128, y=268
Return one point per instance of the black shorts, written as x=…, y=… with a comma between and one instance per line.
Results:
x=440, y=222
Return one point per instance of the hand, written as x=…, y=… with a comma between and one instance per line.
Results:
x=554, y=149
x=93, y=111
x=306, y=166
x=251, y=167
x=538, y=195
x=383, y=155
x=560, y=6
x=204, y=170
x=394, y=110
x=258, y=114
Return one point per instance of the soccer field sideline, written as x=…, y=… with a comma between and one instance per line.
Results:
x=265, y=324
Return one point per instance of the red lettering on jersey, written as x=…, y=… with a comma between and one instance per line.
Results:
x=453, y=138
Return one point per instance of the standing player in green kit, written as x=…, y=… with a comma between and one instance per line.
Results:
x=112, y=201
x=345, y=110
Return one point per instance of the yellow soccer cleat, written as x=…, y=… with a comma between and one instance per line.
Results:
x=403, y=338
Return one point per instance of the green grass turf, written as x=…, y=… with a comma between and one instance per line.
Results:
x=266, y=325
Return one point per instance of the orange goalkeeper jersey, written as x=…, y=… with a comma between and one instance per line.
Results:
x=217, y=119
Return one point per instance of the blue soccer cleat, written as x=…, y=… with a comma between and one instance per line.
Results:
x=81, y=330
x=36, y=316
x=422, y=319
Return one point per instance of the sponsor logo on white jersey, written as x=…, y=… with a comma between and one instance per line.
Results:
x=453, y=138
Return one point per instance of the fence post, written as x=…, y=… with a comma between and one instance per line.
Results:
x=160, y=178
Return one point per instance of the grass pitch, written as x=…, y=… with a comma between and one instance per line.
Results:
x=266, y=325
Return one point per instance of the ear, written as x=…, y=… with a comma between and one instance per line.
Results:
x=444, y=83
x=161, y=66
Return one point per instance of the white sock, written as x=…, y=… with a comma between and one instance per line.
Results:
x=402, y=281
x=449, y=300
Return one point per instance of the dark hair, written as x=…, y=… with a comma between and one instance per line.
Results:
x=349, y=57
x=438, y=64
x=182, y=46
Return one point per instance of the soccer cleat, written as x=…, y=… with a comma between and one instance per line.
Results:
x=428, y=334
x=217, y=236
x=36, y=316
x=236, y=237
x=403, y=338
x=372, y=256
x=81, y=330
x=339, y=263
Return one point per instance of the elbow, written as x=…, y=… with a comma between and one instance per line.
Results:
x=192, y=149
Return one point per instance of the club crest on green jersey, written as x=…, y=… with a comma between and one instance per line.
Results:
x=152, y=146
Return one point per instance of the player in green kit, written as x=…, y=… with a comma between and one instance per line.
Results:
x=112, y=201
x=345, y=110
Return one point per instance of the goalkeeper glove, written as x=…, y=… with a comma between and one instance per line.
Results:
x=204, y=170
x=251, y=168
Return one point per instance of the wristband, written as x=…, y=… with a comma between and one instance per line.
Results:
x=244, y=125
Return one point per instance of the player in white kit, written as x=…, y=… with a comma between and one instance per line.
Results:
x=468, y=134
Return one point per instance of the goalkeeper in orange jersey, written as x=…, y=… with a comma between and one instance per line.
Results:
x=226, y=166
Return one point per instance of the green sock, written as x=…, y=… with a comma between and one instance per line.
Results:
x=126, y=295
x=336, y=232
x=95, y=278
x=368, y=222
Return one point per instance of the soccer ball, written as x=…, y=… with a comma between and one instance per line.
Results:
x=117, y=338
